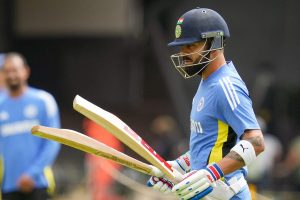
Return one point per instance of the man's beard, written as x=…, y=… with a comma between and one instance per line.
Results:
x=195, y=68
x=14, y=87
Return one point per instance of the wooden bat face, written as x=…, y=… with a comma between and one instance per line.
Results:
x=89, y=145
x=125, y=134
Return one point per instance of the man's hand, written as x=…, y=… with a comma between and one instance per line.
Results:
x=197, y=182
x=181, y=164
x=26, y=184
x=160, y=184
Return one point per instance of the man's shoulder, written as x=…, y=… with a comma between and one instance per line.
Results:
x=228, y=86
x=45, y=99
x=229, y=79
x=227, y=71
x=39, y=94
x=3, y=96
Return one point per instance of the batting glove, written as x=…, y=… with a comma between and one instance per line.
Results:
x=160, y=184
x=181, y=164
x=198, y=183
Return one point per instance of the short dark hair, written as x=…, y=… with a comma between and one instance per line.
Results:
x=16, y=54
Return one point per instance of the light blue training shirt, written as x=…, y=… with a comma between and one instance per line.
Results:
x=22, y=152
x=221, y=112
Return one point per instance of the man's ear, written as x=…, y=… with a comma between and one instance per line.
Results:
x=28, y=72
x=213, y=54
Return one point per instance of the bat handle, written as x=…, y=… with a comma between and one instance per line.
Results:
x=178, y=176
x=153, y=180
x=156, y=172
x=202, y=194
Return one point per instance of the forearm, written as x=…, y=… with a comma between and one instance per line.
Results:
x=233, y=161
x=45, y=158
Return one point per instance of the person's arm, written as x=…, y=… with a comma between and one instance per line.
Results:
x=234, y=161
x=45, y=158
x=236, y=110
x=49, y=149
x=181, y=164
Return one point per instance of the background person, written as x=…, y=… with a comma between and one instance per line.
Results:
x=2, y=82
x=26, y=159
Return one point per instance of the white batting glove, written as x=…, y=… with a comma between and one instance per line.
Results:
x=198, y=183
x=181, y=164
x=160, y=184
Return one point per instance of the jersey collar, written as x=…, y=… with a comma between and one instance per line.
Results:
x=218, y=71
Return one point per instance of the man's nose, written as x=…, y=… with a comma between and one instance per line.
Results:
x=10, y=74
x=184, y=50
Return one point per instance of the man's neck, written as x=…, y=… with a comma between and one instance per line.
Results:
x=213, y=66
x=19, y=92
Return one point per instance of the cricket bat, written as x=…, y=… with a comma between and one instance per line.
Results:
x=125, y=134
x=89, y=145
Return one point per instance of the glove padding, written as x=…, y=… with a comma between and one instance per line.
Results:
x=162, y=184
x=193, y=184
x=198, y=182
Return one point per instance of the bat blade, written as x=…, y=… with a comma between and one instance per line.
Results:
x=125, y=134
x=89, y=145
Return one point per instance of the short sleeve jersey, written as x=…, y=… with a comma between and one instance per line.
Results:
x=21, y=151
x=221, y=112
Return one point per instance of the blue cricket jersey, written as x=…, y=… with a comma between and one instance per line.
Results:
x=22, y=152
x=2, y=94
x=221, y=112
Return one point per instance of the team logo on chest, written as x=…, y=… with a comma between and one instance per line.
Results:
x=4, y=116
x=200, y=104
x=30, y=111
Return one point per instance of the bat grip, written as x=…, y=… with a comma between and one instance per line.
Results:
x=202, y=194
x=152, y=181
x=157, y=175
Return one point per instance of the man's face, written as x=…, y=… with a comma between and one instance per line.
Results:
x=195, y=51
x=15, y=73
